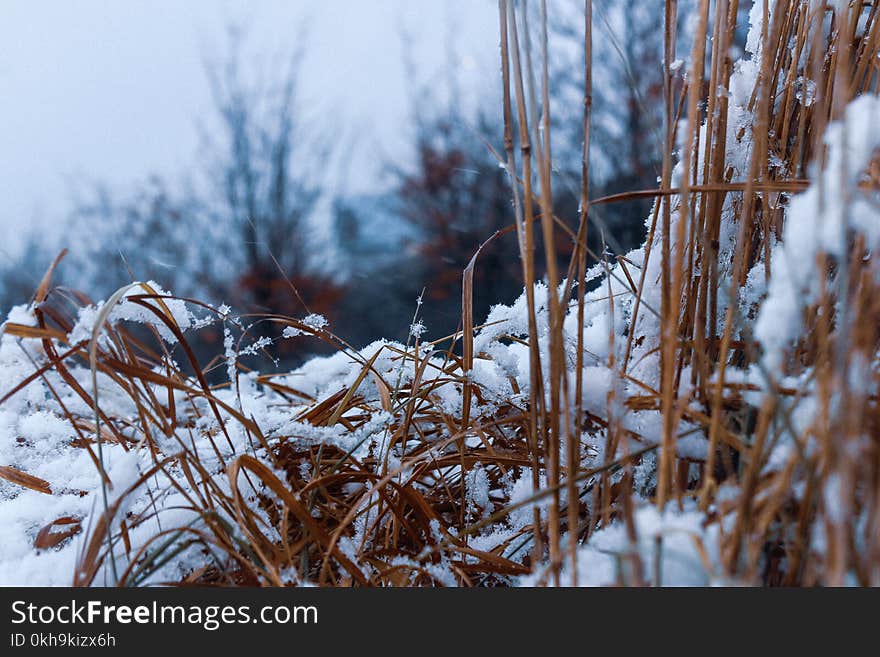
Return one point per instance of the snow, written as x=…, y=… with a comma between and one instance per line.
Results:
x=674, y=536
x=126, y=310
x=312, y=321
x=315, y=322
x=756, y=25
x=819, y=221
x=805, y=90
x=417, y=329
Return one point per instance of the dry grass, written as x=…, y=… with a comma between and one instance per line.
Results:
x=262, y=522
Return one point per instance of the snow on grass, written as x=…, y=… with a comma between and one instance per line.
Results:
x=820, y=221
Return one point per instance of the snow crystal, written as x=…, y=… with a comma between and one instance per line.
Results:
x=417, y=329
x=315, y=321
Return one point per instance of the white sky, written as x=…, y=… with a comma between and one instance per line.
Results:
x=111, y=90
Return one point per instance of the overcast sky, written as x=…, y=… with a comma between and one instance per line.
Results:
x=112, y=90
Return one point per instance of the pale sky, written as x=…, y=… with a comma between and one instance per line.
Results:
x=112, y=90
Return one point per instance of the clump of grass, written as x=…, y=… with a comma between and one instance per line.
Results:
x=281, y=507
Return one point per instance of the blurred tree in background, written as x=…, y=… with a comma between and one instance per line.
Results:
x=237, y=230
x=627, y=125
x=255, y=225
x=449, y=201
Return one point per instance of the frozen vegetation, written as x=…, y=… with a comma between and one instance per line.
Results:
x=719, y=383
